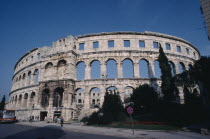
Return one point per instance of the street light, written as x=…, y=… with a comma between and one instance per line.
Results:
x=104, y=77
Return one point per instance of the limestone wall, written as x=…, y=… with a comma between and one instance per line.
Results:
x=55, y=67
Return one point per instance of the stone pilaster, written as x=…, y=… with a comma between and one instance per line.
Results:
x=177, y=67
x=87, y=98
x=87, y=71
x=119, y=69
x=103, y=69
x=136, y=70
x=151, y=69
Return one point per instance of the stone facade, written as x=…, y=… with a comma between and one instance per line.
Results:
x=45, y=81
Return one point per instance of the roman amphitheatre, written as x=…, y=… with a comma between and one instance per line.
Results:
x=70, y=77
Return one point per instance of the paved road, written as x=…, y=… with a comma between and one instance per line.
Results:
x=45, y=131
x=41, y=130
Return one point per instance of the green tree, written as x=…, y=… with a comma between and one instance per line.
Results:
x=167, y=84
x=144, y=96
x=112, y=109
x=202, y=73
x=2, y=104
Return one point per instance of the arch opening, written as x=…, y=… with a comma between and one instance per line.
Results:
x=49, y=65
x=111, y=68
x=80, y=69
x=95, y=69
x=128, y=71
x=144, y=68
x=61, y=63
x=95, y=95
x=181, y=67
x=173, y=69
x=127, y=94
x=36, y=74
x=157, y=69
x=58, y=97
x=112, y=90
x=79, y=95
x=45, y=98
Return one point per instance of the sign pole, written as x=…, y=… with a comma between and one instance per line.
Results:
x=130, y=111
x=132, y=123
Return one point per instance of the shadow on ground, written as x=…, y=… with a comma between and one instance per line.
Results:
x=47, y=132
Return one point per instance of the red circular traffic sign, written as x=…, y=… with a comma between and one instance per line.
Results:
x=130, y=110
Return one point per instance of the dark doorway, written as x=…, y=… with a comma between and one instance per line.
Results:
x=57, y=114
x=43, y=114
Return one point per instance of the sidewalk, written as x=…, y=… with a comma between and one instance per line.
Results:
x=140, y=134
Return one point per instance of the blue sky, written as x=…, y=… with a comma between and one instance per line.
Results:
x=26, y=24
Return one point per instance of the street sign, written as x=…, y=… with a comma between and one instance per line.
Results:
x=130, y=110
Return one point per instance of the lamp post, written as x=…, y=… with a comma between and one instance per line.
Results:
x=104, y=77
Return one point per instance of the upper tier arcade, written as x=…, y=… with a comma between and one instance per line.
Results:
x=31, y=67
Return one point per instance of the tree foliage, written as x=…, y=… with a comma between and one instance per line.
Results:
x=167, y=84
x=198, y=74
x=2, y=104
x=202, y=73
x=144, y=96
x=112, y=111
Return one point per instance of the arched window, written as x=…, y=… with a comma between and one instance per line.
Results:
x=80, y=70
x=24, y=76
x=15, y=98
x=95, y=94
x=29, y=77
x=61, y=63
x=181, y=67
x=111, y=68
x=173, y=69
x=36, y=74
x=26, y=96
x=49, y=65
x=58, y=97
x=93, y=101
x=20, y=97
x=127, y=65
x=45, y=98
x=25, y=100
x=144, y=68
x=38, y=56
x=32, y=95
x=79, y=95
x=16, y=80
x=157, y=69
x=19, y=78
x=112, y=89
x=95, y=69
x=79, y=101
x=127, y=94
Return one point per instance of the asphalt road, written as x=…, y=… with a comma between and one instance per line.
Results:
x=43, y=130
x=17, y=131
